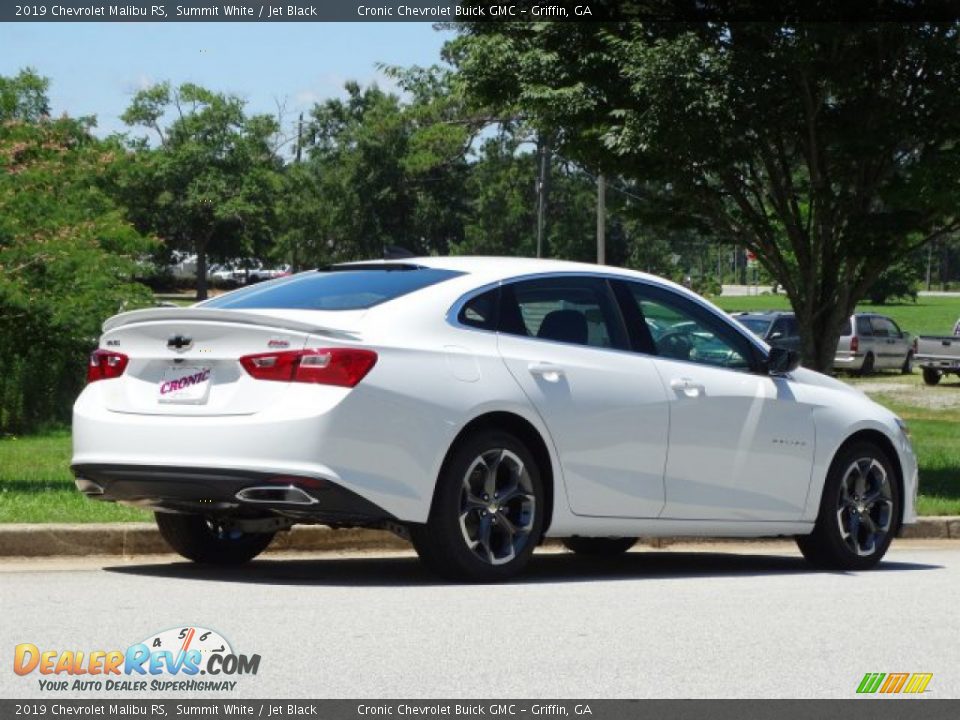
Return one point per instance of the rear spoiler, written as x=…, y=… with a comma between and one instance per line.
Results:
x=194, y=314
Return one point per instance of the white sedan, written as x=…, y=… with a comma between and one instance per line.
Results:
x=477, y=405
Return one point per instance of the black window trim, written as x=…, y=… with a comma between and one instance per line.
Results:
x=758, y=358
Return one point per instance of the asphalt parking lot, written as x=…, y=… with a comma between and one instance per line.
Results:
x=700, y=620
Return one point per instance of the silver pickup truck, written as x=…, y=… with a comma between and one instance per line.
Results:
x=939, y=355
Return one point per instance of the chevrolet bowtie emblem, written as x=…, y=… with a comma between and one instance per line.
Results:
x=180, y=343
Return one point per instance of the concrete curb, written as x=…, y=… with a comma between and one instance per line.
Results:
x=64, y=540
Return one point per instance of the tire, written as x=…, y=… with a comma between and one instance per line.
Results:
x=599, y=546
x=907, y=368
x=487, y=513
x=200, y=539
x=931, y=376
x=841, y=538
x=867, y=367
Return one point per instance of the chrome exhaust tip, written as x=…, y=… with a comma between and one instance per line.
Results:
x=272, y=494
x=88, y=487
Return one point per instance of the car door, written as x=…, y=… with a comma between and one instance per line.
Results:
x=898, y=343
x=563, y=340
x=741, y=445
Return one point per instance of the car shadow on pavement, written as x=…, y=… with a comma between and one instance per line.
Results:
x=397, y=570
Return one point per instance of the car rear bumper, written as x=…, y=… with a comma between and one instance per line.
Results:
x=846, y=360
x=361, y=444
x=227, y=492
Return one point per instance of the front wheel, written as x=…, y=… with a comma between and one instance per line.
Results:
x=907, y=368
x=208, y=540
x=859, y=511
x=488, y=511
x=931, y=376
x=599, y=546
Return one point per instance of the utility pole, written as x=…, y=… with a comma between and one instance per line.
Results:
x=294, y=260
x=299, y=138
x=543, y=177
x=601, y=220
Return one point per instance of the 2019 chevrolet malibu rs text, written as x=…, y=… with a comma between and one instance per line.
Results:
x=477, y=405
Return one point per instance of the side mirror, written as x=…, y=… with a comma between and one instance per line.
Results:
x=776, y=336
x=781, y=361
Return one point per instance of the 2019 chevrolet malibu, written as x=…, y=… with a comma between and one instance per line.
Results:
x=477, y=405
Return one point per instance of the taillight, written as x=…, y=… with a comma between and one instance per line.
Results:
x=106, y=364
x=854, y=344
x=328, y=366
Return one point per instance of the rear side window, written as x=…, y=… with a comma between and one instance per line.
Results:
x=337, y=289
x=864, y=329
x=481, y=311
x=577, y=310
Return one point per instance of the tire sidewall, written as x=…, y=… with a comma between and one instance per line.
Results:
x=827, y=524
x=445, y=513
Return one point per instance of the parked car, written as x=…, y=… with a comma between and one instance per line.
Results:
x=869, y=342
x=939, y=355
x=476, y=406
x=775, y=328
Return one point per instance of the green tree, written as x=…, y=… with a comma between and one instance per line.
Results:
x=211, y=182
x=67, y=255
x=828, y=149
x=383, y=175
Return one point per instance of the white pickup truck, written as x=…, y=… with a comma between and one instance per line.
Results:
x=939, y=355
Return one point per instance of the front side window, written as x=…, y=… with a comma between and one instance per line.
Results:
x=682, y=330
x=576, y=309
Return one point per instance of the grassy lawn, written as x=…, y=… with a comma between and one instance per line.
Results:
x=36, y=484
x=927, y=316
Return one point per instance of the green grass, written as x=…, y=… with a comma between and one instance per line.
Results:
x=36, y=484
x=928, y=316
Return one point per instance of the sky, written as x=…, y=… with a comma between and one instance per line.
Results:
x=95, y=68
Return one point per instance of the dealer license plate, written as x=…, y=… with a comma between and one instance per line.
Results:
x=182, y=384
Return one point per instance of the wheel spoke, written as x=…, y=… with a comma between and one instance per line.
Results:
x=490, y=481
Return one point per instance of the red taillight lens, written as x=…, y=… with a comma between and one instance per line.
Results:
x=105, y=364
x=328, y=366
x=854, y=344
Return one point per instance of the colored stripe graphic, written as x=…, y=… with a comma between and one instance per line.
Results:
x=894, y=682
x=870, y=682
x=918, y=683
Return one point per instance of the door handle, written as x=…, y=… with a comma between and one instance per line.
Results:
x=548, y=371
x=687, y=386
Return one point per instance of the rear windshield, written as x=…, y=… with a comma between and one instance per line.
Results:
x=334, y=289
x=758, y=326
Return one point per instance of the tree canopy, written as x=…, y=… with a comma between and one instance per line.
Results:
x=829, y=149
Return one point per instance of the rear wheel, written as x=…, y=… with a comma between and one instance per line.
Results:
x=599, y=546
x=868, y=363
x=859, y=511
x=487, y=513
x=931, y=376
x=208, y=540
